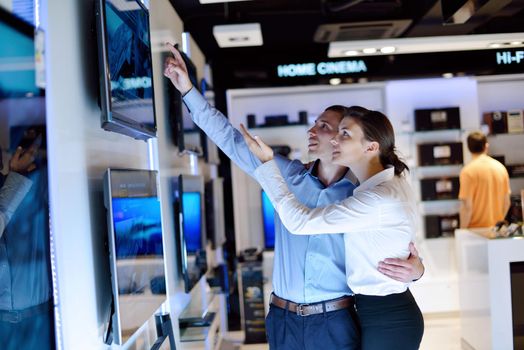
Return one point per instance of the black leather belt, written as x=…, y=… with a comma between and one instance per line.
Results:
x=15, y=316
x=313, y=308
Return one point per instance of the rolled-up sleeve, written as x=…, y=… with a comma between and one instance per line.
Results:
x=12, y=193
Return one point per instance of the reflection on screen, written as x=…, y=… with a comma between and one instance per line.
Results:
x=129, y=60
x=268, y=217
x=191, y=208
x=138, y=227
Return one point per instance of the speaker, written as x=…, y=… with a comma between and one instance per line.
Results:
x=437, y=119
x=251, y=121
x=302, y=117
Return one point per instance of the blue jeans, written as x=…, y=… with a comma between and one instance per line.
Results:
x=326, y=331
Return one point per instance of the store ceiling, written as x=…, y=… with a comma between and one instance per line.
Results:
x=289, y=27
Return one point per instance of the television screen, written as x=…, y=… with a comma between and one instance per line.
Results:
x=188, y=191
x=191, y=210
x=135, y=249
x=185, y=134
x=214, y=199
x=125, y=68
x=268, y=218
x=138, y=229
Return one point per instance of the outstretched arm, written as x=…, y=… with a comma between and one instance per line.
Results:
x=354, y=214
x=209, y=119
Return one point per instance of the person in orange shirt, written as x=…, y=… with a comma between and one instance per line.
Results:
x=484, y=186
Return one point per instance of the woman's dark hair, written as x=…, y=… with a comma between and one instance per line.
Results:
x=377, y=127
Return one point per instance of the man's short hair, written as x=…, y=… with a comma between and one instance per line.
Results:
x=477, y=142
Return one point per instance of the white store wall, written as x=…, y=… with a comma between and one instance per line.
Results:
x=79, y=152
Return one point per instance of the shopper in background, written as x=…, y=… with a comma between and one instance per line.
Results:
x=484, y=186
x=378, y=221
x=307, y=270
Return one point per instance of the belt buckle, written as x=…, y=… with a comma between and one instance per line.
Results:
x=14, y=316
x=300, y=310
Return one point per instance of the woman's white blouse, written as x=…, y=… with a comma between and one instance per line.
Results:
x=378, y=222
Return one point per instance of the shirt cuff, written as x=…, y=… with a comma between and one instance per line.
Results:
x=269, y=177
x=194, y=100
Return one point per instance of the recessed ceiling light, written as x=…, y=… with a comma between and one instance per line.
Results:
x=235, y=35
x=516, y=43
x=388, y=49
x=351, y=53
x=495, y=45
x=369, y=50
x=335, y=81
x=447, y=75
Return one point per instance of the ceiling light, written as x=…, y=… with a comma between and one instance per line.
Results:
x=516, y=43
x=335, y=81
x=447, y=75
x=235, y=35
x=388, y=49
x=351, y=53
x=447, y=43
x=495, y=45
x=369, y=50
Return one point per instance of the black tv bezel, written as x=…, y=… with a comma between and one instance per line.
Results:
x=175, y=106
x=111, y=121
x=179, y=226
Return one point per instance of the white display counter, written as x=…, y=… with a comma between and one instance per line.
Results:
x=485, y=288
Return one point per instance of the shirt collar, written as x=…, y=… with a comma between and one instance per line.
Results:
x=313, y=171
x=383, y=176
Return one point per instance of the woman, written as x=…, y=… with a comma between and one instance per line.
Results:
x=378, y=222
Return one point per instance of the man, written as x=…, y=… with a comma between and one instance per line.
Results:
x=308, y=274
x=484, y=186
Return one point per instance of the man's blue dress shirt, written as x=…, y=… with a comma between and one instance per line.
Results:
x=306, y=269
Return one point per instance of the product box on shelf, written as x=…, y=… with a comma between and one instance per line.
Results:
x=439, y=188
x=437, y=119
x=497, y=122
x=440, y=154
x=515, y=122
x=441, y=225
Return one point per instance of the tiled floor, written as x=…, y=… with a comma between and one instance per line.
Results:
x=441, y=332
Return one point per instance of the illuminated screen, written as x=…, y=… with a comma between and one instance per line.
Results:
x=138, y=229
x=129, y=60
x=192, y=213
x=268, y=217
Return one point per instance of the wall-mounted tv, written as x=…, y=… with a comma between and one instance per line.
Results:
x=185, y=134
x=125, y=68
x=268, y=220
x=214, y=199
x=135, y=249
x=188, y=207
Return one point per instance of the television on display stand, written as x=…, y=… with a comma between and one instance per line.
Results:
x=188, y=207
x=125, y=68
x=136, y=252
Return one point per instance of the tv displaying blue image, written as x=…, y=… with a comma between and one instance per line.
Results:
x=138, y=228
x=126, y=68
x=191, y=209
x=268, y=218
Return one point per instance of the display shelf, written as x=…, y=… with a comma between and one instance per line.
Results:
x=263, y=126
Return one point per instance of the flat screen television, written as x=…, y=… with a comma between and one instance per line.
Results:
x=189, y=213
x=135, y=249
x=214, y=203
x=185, y=134
x=125, y=68
x=268, y=220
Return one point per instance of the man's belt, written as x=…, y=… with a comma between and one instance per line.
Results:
x=313, y=308
x=15, y=316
